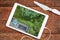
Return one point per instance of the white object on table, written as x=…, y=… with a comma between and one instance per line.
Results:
x=44, y=7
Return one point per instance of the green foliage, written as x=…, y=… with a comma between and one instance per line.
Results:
x=31, y=31
x=30, y=18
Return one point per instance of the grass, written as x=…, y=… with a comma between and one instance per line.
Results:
x=30, y=18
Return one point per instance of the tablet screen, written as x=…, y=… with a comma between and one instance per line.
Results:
x=27, y=20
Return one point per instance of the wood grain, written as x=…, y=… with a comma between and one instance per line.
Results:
x=50, y=3
x=18, y=36
x=53, y=22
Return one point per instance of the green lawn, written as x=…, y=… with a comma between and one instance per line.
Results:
x=30, y=18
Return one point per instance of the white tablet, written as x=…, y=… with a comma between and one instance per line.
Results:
x=27, y=20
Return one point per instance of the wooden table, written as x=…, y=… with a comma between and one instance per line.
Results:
x=53, y=22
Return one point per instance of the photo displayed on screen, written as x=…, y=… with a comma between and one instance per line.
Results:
x=27, y=20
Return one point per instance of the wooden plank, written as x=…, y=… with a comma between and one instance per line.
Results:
x=18, y=36
x=53, y=22
x=4, y=12
x=57, y=2
x=53, y=37
x=11, y=2
x=51, y=3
